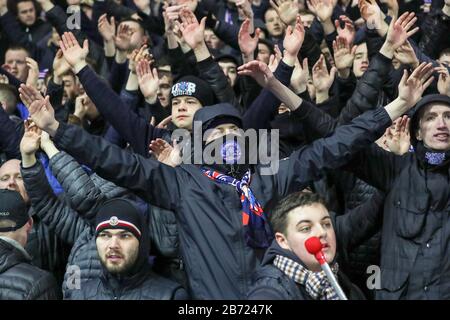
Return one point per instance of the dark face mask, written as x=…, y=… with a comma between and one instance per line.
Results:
x=228, y=155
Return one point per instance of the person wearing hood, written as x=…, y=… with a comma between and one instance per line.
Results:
x=219, y=204
x=415, y=259
x=19, y=278
x=123, y=247
x=288, y=271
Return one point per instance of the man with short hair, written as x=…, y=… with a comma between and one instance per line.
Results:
x=15, y=62
x=416, y=224
x=19, y=279
x=288, y=270
x=123, y=247
x=28, y=17
x=47, y=251
x=8, y=98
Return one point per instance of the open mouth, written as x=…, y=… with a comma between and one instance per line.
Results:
x=442, y=136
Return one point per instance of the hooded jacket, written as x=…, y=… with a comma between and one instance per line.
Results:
x=218, y=262
x=351, y=229
x=415, y=260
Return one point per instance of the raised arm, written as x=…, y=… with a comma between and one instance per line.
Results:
x=130, y=126
x=155, y=182
x=67, y=224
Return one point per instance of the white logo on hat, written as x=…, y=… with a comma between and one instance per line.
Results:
x=4, y=213
x=183, y=89
x=114, y=221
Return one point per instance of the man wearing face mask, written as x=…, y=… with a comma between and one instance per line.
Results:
x=220, y=211
x=123, y=246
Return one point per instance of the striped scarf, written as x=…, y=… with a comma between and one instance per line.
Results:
x=257, y=231
x=315, y=283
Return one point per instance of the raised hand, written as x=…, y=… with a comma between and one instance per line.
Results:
x=46, y=142
x=287, y=10
x=397, y=136
x=148, y=80
x=294, y=38
x=123, y=37
x=60, y=64
x=258, y=71
x=300, y=75
x=274, y=59
x=165, y=153
x=371, y=13
x=348, y=31
x=247, y=43
x=81, y=106
x=107, y=29
x=33, y=72
x=392, y=6
x=164, y=123
x=31, y=139
x=322, y=79
x=73, y=53
x=343, y=55
x=193, y=32
x=444, y=80
x=41, y=111
x=323, y=9
x=411, y=88
x=405, y=54
x=138, y=55
x=171, y=14
x=399, y=30
x=244, y=8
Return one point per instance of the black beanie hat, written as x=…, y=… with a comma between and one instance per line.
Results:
x=194, y=87
x=120, y=214
x=416, y=113
x=13, y=208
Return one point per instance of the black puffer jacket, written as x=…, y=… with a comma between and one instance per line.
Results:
x=20, y=280
x=86, y=193
x=147, y=286
x=55, y=214
x=76, y=230
x=137, y=283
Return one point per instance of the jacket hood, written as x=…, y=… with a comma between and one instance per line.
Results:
x=10, y=256
x=417, y=112
x=207, y=115
x=275, y=250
